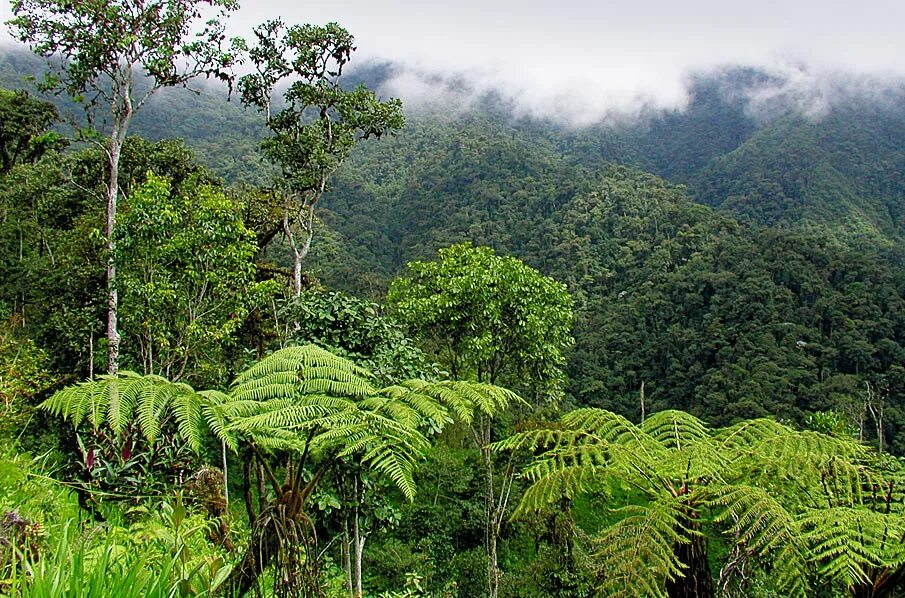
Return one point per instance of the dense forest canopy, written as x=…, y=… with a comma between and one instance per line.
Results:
x=458, y=353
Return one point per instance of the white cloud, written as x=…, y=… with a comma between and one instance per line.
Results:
x=581, y=61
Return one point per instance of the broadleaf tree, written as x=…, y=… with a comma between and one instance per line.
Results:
x=316, y=124
x=112, y=56
x=188, y=274
x=490, y=319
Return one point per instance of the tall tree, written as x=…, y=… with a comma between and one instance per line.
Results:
x=317, y=123
x=494, y=320
x=99, y=49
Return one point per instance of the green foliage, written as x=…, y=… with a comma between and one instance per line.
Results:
x=317, y=124
x=163, y=554
x=24, y=132
x=157, y=37
x=187, y=268
x=488, y=318
x=808, y=508
x=23, y=377
x=115, y=401
x=356, y=328
x=308, y=399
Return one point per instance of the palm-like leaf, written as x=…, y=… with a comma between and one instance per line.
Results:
x=636, y=555
x=755, y=479
x=847, y=543
x=117, y=400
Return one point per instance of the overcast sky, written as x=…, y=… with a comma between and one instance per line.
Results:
x=584, y=57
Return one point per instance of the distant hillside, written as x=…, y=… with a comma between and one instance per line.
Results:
x=703, y=305
x=845, y=170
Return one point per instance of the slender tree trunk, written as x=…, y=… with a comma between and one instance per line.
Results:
x=112, y=298
x=225, y=474
x=491, y=515
x=122, y=116
x=358, y=541
x=297, y=254
x=347, y=557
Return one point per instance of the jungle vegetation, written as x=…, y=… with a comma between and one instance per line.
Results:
x=357, y=352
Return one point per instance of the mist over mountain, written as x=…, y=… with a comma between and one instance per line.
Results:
x=774, y=148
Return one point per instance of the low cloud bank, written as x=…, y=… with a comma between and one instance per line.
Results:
x=770, y=90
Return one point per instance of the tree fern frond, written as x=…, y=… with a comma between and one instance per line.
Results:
x=288, y=414
x=302, y=365
x=760, y=524
x=749, y=433
x=616, y=429
x=395, y=409
x=554, y=485
x=120, y=412
x=152, y=405
x=446, y=395
x=422, y=403
x=675, y=429
x=214, y=410
x=847, y=543
x=636, y=555
x=187, y=407
x=799, y=456
x=117, y=399
x=542, y=439
x=397, y=466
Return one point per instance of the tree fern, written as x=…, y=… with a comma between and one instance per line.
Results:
x=775, y=492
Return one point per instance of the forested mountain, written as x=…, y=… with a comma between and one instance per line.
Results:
x=661, y=283
x=762, y=161
x=717, y=317
x=647, y=357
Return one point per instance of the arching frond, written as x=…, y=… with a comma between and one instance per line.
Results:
x=302, y=370
x=801, y=458
x=761, y=525
x=613, y=428
x=217, y=410
x=846, y=543
x=556, y=484
x=116, y=400
x=113, y=396
x=444, y=394
x=636, y=555
x=298, y=413
x=675, y=429
x=543, y=439
x=748, y=433
x=410, y=394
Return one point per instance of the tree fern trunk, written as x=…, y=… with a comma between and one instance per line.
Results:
x=697, y=581
x=883, y=584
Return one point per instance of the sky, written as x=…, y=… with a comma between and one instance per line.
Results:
x=581, y=60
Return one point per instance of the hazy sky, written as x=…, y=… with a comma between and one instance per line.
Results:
x=582, y=57
x=573, y=58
